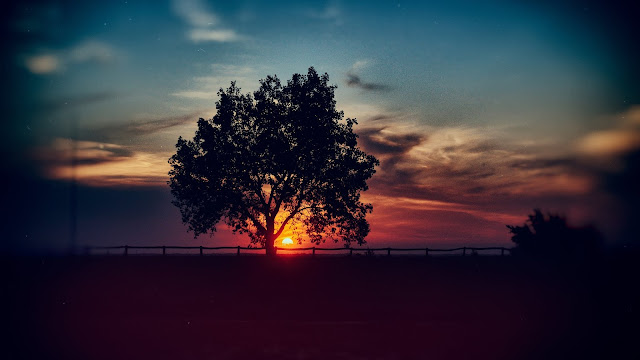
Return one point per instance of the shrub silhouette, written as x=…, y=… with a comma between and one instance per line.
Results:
x=549, y=236
x=280, y=156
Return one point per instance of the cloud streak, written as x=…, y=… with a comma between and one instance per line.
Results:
x=101, y=161
x=221, y=77
x=379, y=141
x=431, y=176
x=331, y=12
x=205, y=24
x=354, y=79
x=63, y=151
x=101, y=164
x=195, y=13
x=88, y=52
x=623, y=138
x=145, y=127
x=43, y=64
x=216, y=35
x=466, y=163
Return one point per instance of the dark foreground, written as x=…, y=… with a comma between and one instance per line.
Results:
x=318, y=308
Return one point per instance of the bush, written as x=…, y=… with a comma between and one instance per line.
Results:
x=549, y=236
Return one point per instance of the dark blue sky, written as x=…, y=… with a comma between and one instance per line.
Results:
x=478, y=111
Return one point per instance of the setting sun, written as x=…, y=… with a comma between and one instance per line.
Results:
x=287, y=241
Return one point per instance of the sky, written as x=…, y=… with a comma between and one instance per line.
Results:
x=479, y=113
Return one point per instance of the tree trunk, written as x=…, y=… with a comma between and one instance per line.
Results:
x=269, y=245
x=270, y=237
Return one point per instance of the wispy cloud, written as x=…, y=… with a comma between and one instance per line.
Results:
x=331, y=12
x=622, y=138
x=195, y=13
x=379, y=141
x=217, y=35
x=91, y=51
x=43, y=64
x=194, y=94
x=354, y=79
x=102, y=164
x=435, y=223
x=495, y=177
x=471, y=174
x=102, y=159
x=206, y=87
x=63, y=151
x=613, y=153
x=468, y=163
x=205, y=24
x=145, y=126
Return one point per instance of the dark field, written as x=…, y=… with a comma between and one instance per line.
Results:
x=318, y=308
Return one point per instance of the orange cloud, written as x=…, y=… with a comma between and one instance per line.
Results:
x=623, y=137
x=465, y=163
x=102, y=164
x=606, y=149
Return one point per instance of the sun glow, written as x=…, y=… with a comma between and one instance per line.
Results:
x=287, y=241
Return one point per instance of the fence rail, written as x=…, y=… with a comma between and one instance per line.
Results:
x=368, y=251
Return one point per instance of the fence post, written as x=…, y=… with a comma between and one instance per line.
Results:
x=126, y=250
x=502, y=252
x=464, y=251
x=200, y=250
x=238, y=250
x=388, y=251
x=313, y=252
x=426, y=252
x=164, y=250
x=350, y=252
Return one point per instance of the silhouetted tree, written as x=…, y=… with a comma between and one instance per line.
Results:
x=549, y=236
x=281, y=156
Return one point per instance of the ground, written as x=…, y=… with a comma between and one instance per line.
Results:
x=325, y=307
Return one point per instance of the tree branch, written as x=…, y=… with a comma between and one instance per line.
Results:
x=278, y=203
x=270, y=198
x=284, y=223
x=263, y=201
x=256, y=223
x=298, y=210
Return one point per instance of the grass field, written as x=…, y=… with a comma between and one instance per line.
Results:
x=296, y=307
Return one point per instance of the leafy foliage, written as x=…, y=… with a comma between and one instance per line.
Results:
x=281, y=157
x=548, y=236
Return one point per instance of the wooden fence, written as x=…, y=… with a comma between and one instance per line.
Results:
x=464, y=251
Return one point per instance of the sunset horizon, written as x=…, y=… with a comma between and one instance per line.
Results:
x=478, y=113
x=208, y=179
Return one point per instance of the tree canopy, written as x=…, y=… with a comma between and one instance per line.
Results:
x=282, y=157
x=549, y=236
